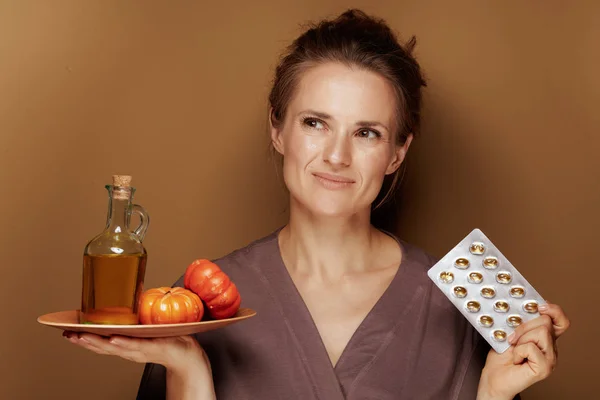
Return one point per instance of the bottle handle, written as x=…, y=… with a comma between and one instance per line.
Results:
x=140, y=231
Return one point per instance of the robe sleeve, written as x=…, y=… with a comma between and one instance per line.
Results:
x=153, y=383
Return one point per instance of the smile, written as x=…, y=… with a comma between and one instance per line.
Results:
x=333, y=181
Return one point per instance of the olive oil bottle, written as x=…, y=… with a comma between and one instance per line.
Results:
x=114, y=262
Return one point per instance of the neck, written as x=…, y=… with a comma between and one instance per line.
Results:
x=117, y=218
x=328, y=248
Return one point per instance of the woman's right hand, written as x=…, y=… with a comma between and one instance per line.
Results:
x=189, y=375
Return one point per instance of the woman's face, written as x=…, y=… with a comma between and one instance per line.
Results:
x=338, y=139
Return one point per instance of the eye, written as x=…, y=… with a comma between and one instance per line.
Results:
x=313, y=123
x=369, y=134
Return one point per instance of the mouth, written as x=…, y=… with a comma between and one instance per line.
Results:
x=333, y=181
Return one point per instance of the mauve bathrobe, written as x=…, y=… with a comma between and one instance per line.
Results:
x=412, y=345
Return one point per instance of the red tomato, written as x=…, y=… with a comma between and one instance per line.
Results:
x=214, y=287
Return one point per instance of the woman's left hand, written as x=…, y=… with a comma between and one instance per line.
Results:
x=531, y=358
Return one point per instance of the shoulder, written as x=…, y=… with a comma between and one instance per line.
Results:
x=260, y=250
x=417, y=262
x=417, y=255
x=244, y=260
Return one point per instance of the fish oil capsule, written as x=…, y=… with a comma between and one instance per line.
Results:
x=486, y=321
x=446, y=277
x=499, y=335
x=488, y=292
x=459, y=291
x=473, y=306
x=501, y=306
x=514, y=320
x=517, y=292
x=461, y=263
x=503, y=277
x=477, y=248
x=530, y=307
x=475, y=277
x=490, y=263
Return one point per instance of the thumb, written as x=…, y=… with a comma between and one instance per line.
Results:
x=532, y=361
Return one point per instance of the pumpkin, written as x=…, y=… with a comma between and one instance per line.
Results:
x=170, y=305
x=214, y=287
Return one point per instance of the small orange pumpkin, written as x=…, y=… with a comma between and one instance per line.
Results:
x=214, y=287
x=170, y=305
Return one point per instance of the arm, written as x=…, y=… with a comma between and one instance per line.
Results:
x=158, y=383
x=190, y=384
x=177, y=368
x=188, y=378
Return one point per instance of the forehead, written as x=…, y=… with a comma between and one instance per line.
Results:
x=346, y=93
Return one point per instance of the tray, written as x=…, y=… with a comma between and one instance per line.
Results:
x=69, y=321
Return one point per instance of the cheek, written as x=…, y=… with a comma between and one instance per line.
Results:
x=373, y=165
x=301, y=149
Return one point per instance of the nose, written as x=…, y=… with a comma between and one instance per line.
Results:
x=338, y=150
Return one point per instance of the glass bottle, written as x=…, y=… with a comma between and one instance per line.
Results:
x=114, y=262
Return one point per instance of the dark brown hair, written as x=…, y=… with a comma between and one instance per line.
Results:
x=357, y=40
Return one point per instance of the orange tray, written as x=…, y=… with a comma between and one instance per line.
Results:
x=69, y=321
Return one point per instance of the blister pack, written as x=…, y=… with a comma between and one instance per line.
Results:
x=487, y=289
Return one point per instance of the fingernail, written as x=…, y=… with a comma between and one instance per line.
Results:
x=84, y=340
x=511, y=337
x=543, y=307
x=116, y=342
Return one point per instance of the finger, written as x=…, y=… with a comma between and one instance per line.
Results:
x=543, y=339
x=107, y=344
x=542, y=320
x=77, y=340
x=536, y=365
x=560, y=322
x=123, y=347
x=95, y=349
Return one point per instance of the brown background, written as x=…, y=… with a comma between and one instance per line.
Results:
x=176, y=96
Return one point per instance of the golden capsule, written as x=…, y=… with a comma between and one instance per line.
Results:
x=503, y=277
x=499, y=335
x=475, y=277
x=514, y=321
x=501, y=306
x=447, y=277
x=517, y=292
x=473, y=306
x=488, y=292
x=460, y=291
x=461, y=263
x=490, y=262
x=477, y=248
x=530, y=307
x=486, y=320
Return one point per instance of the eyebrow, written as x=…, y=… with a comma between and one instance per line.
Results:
x=325, y=116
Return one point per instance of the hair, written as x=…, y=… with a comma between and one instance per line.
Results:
x=356, y=40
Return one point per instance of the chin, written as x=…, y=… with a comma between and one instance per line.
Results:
x=331, y=207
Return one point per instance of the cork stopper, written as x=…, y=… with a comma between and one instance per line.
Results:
x=122, y=180
x=122, y=184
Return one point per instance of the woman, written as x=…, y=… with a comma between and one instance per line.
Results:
x=345, y=310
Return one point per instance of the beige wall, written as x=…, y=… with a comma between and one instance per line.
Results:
x=176, y=94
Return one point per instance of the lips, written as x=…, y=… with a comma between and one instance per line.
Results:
x=334, y=179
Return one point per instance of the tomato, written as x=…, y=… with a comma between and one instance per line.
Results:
x=170, y=305
x=214, y=287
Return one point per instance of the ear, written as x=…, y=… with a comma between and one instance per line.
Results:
x=399, y=155
x=276, y=134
